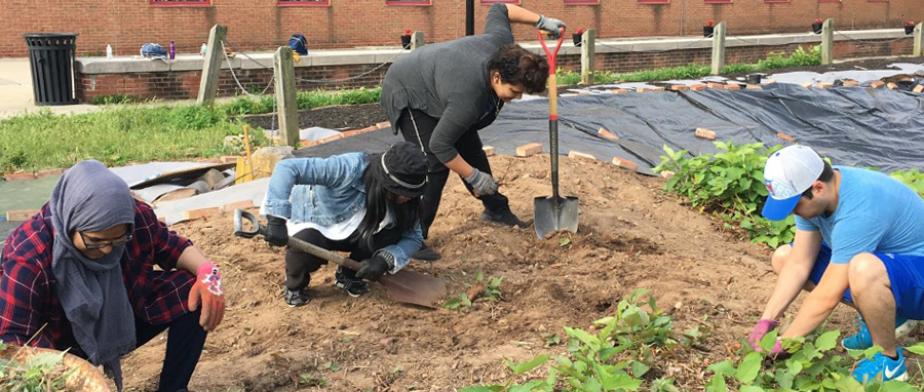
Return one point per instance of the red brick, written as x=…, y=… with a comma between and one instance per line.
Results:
x=606, y=134
x=698, y=87
x=891, y=86
x=851, y=83
x=243, y=205
x=717, y=86
x=200, y=213
x=754, y=87
x=877, y=84
x=785, y=136
x=625, y=163
x=48, y=172
x=18, y=176
x=580, y=155
x=20, y=215
x=488, y=151
x=529, y=149
x=705, y=133
x=680, y=87
x=919, y=88
x=330, y=138
x=383, y=125
x=733, y=86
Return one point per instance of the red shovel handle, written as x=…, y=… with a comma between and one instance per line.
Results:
x=550, y=55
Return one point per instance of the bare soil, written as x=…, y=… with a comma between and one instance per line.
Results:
x=631, y=236
x=333, y=117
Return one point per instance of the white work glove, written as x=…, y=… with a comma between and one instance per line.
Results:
x=552, y=25
x=482, y=183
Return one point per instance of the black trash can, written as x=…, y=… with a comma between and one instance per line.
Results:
x=52, y=56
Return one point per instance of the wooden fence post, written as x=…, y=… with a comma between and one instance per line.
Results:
x=827, y=42
x=284, y=71
x=718, y=48
x=588, y=52
x=208, y=84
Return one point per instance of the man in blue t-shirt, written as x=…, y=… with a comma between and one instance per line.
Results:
x=859, y=240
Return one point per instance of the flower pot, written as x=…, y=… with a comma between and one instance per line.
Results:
x=754, y=78
x=909, y=29
x=708, y=30
x=406, y=41
x=578, y=38
x=816, y=27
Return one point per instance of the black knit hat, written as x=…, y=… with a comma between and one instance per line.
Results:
x=403, y=169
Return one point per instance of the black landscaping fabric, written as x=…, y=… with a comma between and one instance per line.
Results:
x=855, y=126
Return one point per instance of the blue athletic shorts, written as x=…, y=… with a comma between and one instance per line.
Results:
x=906, y=276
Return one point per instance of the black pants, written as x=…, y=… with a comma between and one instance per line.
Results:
x=300, y=265
x=417, y=127
x=185, y=339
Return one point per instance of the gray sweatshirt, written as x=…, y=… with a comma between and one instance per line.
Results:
x=449, y=81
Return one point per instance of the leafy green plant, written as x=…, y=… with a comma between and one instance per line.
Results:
x=458, y=302
x=912, y=178
x=812, y=365
x=614, y=358
x=39, y=373
x=489, y=290
x=730, y=184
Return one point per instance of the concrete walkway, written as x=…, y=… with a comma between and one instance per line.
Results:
x=16, y=91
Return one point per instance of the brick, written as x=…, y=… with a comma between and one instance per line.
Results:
x=698, y=87
x=330, y=138
x=529, y=149
x=618, y=91
x=309, y=143
x=919, y=88
x=754, y=87
x=19, y=176
x=877, y=84
x=824, y=85
x=383, y=125
x=808, y=84
x=242, y=205
x=580, y=155
x=488, y=151
x=201, y=213
x=680, y=87
x=606, y=134
x=20, y=215
x=625, y=163
x=733, y=86
x=851, y=83
x=705, y=133
x=48, y=172
x=785, y=136
x=716, y=86
x=891, y=86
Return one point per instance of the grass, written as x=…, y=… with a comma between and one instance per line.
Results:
x=798, y=58
x=138, y=133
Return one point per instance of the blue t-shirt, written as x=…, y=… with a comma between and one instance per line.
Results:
x=875, y=213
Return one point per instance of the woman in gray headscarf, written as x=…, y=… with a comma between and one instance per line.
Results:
x=79, y=275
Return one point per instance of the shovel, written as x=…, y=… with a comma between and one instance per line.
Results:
x=555, y=213
x=406, y=286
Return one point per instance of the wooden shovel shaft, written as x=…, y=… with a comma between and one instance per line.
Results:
x=325, y=254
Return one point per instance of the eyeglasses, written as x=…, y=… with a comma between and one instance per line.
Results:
x=91, y=243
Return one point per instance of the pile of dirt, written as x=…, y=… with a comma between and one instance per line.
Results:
x=631, y=236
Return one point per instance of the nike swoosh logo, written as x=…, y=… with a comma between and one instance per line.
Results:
x=890, y=373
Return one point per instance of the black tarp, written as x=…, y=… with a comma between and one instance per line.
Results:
x=854, y=126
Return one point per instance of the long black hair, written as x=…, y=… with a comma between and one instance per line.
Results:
x=378, y=200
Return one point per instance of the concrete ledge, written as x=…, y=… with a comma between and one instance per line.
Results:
x=382, y=55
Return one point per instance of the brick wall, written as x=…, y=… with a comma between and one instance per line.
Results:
x=185, y=84
x=261, y=24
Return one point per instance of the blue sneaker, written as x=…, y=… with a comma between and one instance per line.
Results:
x=882, y=367
x=862, y=340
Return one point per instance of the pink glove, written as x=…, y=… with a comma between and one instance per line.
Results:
x=207, y=291
x=761, y=329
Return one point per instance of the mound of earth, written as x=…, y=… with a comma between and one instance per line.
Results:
x=631, y=236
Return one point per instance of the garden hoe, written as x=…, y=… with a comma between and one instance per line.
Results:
x=555, y=213
x=405, y=286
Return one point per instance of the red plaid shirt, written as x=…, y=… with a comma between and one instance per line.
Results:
x=28, y=297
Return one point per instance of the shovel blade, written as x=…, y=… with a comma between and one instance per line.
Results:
x=414, y=288
x=555, y=214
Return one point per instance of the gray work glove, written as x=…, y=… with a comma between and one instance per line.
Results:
x=482, y=183
x=552, y=25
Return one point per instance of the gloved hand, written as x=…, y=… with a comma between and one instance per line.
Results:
x=552, y=25
x=758, y=332
x=373, y=268
x=482, y=183
x=207, y=291
x=276, y=232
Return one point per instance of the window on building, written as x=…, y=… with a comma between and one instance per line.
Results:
x=181, y=3
x=303, y=3
x=582, y=2
x=408, y=2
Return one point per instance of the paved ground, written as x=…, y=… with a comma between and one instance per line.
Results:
x=16, y=91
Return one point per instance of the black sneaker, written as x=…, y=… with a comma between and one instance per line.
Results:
x=296, y=298
x=351, y=284
x=427, y=253
x=506, y=218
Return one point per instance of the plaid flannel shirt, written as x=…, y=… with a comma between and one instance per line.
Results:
x=28, y=297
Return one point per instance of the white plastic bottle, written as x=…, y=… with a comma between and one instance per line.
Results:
x=108, y=51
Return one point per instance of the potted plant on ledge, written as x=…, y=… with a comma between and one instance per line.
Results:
x=406, y=39
x=816, y=27
x=709, y=28
x=578, y=36
x=909, y=27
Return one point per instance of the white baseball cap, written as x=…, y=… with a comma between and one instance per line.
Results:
x=787, y=174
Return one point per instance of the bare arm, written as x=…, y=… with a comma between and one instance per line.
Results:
x=821, y=302
x=191, y=259
x=794, y=273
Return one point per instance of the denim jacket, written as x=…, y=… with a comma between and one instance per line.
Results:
x=327, y=191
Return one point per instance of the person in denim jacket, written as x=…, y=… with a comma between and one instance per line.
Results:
x=365, y=204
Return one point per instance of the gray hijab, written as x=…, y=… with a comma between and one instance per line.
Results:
x=91, y=198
